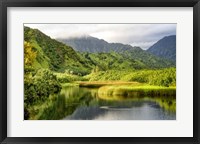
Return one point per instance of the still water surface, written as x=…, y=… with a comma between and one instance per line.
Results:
x=85, y=104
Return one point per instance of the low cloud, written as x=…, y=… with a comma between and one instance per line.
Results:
x=143, y=35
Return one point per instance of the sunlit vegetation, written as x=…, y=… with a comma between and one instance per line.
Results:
x=66, y=77
x=38, y=84
x=97, y=84
x=135, y=91
x=53, y=54
x=29, y=54
x=50, y=66
x=161, y=77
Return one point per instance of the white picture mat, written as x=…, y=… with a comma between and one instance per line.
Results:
x=181, y=127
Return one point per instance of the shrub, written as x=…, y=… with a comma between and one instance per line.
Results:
x=38, y=87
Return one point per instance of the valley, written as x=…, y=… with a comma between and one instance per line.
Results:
x=64, y=77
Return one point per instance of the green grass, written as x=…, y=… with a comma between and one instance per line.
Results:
x=136, y=91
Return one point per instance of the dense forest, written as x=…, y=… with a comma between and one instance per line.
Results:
x=50, y=64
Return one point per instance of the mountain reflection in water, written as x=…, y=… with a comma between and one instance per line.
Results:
x=85, y=104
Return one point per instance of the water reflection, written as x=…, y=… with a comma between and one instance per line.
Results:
x=85, y=104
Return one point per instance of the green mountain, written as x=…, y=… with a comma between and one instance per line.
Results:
x=57, y=56
x=54, y=55
x=114, y=61
x=165, y=48
x=128, y=60
x=148, y=60
x=138, y=57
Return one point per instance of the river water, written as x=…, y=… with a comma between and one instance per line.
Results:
x=85, y=104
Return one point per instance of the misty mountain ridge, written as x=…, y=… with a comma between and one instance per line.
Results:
x=165, y=48
x=94, y=45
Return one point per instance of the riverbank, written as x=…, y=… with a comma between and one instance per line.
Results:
x=98, y=84
x=133, y=91
x=129, y=89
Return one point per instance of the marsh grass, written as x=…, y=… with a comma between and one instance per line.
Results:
x=135, y=91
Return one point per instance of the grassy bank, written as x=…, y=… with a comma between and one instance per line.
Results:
x=136, y=91
x=98, y=84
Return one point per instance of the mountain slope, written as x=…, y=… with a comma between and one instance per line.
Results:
x=56, y=56
x=165, y=48
x=150, y=61
x=95, y=45
x=141, y=58
x=112, y=60
x=53, y=54
x=59, y=57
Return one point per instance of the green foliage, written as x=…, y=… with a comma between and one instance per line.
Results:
x=29, y=54
x=146, y=60
x=128, y=60
x=38, y=86
x=107, y=75
x=107, y=61
x=65, y=77
x=132, y=91
x=161, y=77
x=53, y=54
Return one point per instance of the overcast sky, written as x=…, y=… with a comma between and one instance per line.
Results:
x=143, y=35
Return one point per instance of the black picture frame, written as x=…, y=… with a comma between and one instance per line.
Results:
x=99, y=3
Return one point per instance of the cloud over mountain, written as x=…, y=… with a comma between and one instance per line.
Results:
x=143, y=35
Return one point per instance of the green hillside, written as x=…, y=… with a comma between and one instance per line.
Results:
x=115, y=61
x=59, y=57
x=54, y=55
x=147, y=60
x=139, y=58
